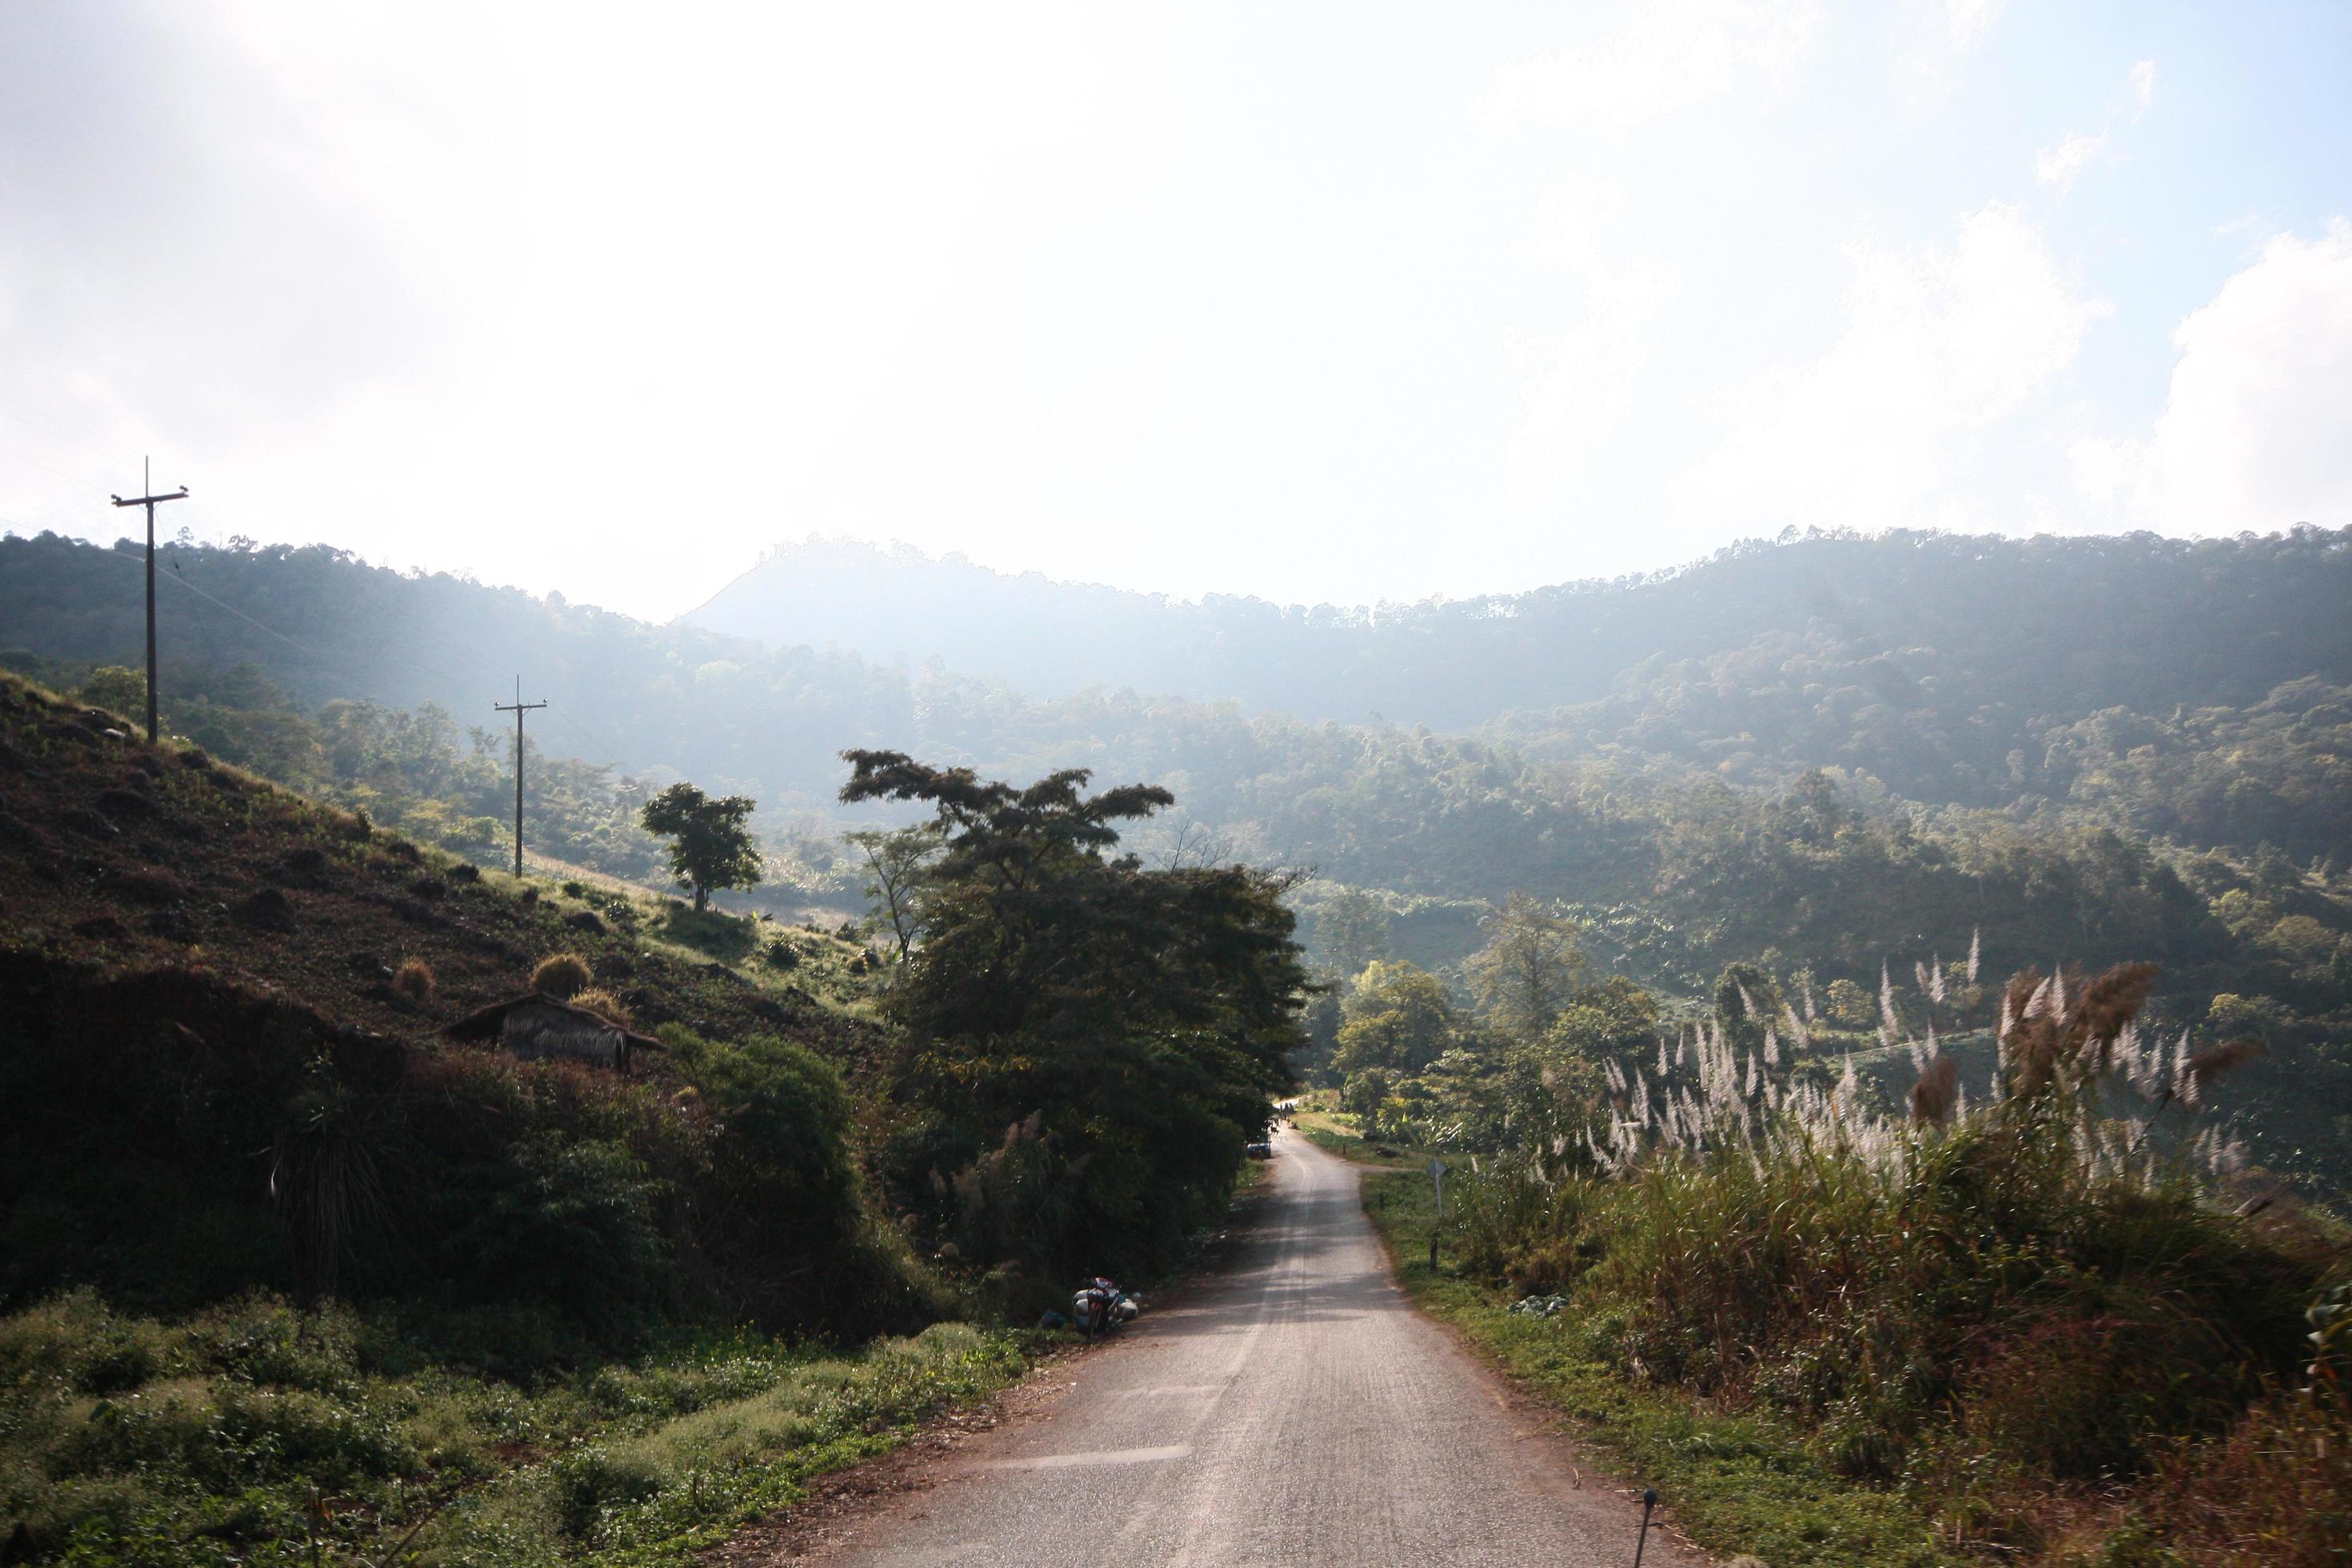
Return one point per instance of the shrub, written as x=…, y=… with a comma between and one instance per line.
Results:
x=2037, y=1288
x=415, y=981
x=565, y=975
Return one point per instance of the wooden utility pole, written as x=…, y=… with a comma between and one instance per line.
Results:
x=517, y=707
x=151, y=500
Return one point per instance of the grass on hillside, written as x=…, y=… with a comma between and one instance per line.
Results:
x=258, y=1433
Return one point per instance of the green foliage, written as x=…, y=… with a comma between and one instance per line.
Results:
x=1528, y=968
x=1351, y=931
x=132, y=1441
x=1983, y=1306
x=897, y=864
x=116, y=688
x=1090, y=1044
x=1398, y=1019
x=1747, y=1002
x=711, y=846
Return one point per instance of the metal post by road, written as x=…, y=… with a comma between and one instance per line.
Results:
x=1649, y=1501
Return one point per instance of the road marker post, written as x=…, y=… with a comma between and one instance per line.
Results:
x=1436, y=1174
x=1649, y=1501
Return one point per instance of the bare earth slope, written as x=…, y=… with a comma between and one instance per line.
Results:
x=1294, y=1411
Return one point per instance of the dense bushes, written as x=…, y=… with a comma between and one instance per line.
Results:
x=238, y=1435
x=177, y=1140
x=1987, y=1306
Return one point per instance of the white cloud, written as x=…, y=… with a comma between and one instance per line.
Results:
x=2256, y=430
x=2142, y=83
x=1652, y=59
x=1575, y=381
x=2059, y=166
x=1969, y=20
x=1933, y=39
x=1940, y=345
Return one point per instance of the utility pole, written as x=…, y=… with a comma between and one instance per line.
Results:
x=517, y=707
x=151, y=500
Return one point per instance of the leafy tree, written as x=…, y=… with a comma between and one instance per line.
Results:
x=1528, y=968
x=114, y=687
x=1352, y=929
x=1398, y=1019
x=710, y=845
x=1090, y=1044
x=897, y=864
x=1612, y=1018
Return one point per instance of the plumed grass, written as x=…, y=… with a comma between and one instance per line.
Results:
x=2050, y=1295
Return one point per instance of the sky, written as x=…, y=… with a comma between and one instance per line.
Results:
x=1345, y=304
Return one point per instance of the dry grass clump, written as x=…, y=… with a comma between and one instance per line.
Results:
x=604, y=1005
x=562, y=975
x=415, y=981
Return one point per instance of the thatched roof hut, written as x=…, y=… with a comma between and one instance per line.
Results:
x=537, y=1025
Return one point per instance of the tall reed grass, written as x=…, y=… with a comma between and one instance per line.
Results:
x=2051, y=1284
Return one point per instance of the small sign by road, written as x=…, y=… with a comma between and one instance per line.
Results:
x=1437, y=1174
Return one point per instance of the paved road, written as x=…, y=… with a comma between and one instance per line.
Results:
x=1294, y=1411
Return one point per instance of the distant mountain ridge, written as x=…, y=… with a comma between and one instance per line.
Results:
x=2107, y=621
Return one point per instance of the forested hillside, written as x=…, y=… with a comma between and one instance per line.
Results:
x=1977, y=629
x=1827, y=755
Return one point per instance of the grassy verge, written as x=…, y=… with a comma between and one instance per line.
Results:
x=1734, y=1483
x=261, y=1434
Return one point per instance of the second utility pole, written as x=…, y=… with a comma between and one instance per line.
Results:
x=149, y=500
x=517, y=707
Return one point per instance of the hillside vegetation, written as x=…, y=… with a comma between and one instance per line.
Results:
x=286, y=1269
x=1824, y=756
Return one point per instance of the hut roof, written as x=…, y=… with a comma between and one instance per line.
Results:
x=489, y=1023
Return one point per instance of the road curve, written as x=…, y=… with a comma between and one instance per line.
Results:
x=1294, y=1410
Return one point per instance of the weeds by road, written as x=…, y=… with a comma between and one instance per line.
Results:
x=1732, y=1483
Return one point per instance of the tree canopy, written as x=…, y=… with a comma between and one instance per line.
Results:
x=711, y=839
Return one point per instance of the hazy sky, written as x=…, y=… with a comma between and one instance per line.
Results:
x=1337, y=302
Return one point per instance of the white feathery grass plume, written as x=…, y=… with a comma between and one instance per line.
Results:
x=1809, y=997
x=1886, y=1000
x=2038, y=1004
x=1994, y=1088
x=1919, y=1055
x=1797, y=1032
x=1959, y=1103
x=2057, y=992
x=1663, y=1069
x=1615, y=1074
x=1975, y=951
x=1771, y=1046
x=2189, y=1092
x=2001, y=1030
x=1751, y=1076
x=1919, y=972
x=1747, y=1002
x=1682, y=1048
x=1935, y=981
x=2179, y=1063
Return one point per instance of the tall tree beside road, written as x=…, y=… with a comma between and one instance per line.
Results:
x=1090, y=1044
